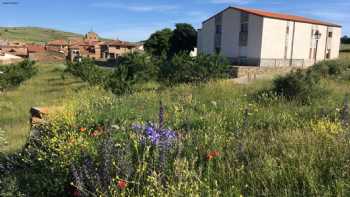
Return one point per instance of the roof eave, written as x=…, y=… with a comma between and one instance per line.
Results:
x=243, y=10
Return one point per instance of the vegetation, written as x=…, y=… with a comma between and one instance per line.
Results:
x=345, y=40
x=46, y=89
x=134, y=69
x=33, y=34
x=185, y=69
x=158, y=43
x=200, y=140
x=15, y=74
x=167, y=43
x=183, y=39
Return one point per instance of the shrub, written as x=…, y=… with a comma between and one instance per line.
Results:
x=331, y=68
x=88, y=71
x=131, y=69
x=140, y=67
x=299, y=85
x=183, y=68
x=13, y=75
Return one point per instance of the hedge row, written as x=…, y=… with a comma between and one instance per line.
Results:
x=13, y=75
x=139, y=68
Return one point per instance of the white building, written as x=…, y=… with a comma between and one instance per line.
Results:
x=260, y=38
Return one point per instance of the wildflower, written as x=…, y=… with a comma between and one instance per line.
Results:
x=95, y=133
x=122, y=184
x=76, y=193
x=213, y=154
x=82, y=129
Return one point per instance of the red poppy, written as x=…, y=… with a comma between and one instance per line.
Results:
x=83, y=129
x=213, y=154
x=76, y=193
x=122, y=184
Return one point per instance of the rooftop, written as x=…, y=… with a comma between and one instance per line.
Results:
x=281, y=16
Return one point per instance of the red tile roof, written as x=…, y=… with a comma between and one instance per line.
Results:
x=119, y=43
x=32, y=48
x=281, y=16
x=58, y=42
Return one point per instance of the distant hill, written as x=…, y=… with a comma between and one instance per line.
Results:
x=33, y=34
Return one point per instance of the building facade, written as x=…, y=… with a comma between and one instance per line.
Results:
x=260, y=38
x=92, y=47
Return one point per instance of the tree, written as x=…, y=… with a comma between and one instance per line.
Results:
x=183, y=39
x=158, y=43
x=345, y=40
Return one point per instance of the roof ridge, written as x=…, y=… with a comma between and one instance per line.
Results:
x=278, y=15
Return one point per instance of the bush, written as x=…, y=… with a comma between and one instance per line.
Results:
x=131, y=69
x=88, y=71
x=13, y=75
x=331, y=68
x=183, y=68
x=299, y=85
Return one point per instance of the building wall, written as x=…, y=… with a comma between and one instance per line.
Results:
x=335, y=44
x=230, y=36
x=275, y=40
x=269, y=42
x=207, y=35
x=230, y=33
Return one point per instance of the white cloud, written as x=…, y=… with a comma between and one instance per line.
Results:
x=135, y=7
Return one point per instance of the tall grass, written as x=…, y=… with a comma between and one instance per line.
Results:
x=46, y=89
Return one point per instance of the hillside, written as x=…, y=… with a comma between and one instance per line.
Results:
x=33, y=34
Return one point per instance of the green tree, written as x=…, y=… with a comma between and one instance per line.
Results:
x=183, y=39
x=158, y=43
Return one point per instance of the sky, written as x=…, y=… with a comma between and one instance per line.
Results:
x=135, y=20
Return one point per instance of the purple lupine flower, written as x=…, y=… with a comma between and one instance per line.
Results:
x=155, y=135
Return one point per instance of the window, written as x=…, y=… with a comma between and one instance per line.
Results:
x=244, y=27
x=243, y=38
x=244, y=17
x=328, y=55
x=243, y=35
x=218, y=29
x=287, y=30
x=330, y=34
x=218, y=50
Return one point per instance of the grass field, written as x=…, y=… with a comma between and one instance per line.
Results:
x=345, y=47
x=33, y=34
x=47, y=88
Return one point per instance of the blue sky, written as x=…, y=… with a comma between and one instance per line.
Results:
x=135, y=20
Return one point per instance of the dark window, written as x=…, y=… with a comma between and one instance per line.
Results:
x=243, y=39
x=244, y=27
x=328, y=55
x=218, y=50
x=330, y=34
x=244, y=17
x=218, y=29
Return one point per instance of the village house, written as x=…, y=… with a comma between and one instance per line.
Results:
x=14, y=48
x=58, y=46
x=92, y=47
x=115, y=48
x=260, y=38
